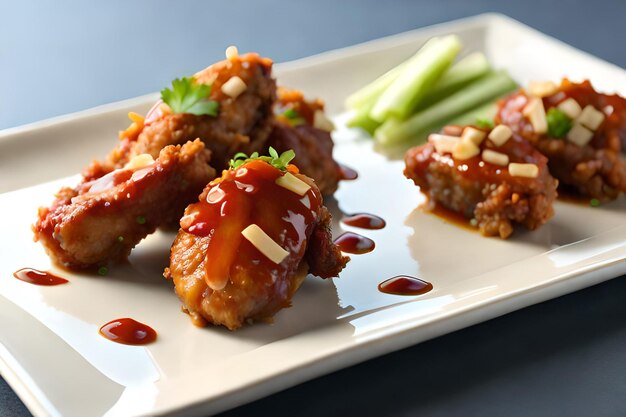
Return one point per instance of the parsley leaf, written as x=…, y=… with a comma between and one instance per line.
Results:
x=277, y=161
x=484, y=123
x=558, y=123
x=187, y=96
x=293, y=117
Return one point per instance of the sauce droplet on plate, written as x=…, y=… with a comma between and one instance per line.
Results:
x=347, y=173
x=128, y=332
x=354, y=243
x=405, y=285
x=364, y=221
x=37, y=277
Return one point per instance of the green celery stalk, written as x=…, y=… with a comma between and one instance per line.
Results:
x=420, y=73
x=486, y=111
x=492, y=85
x=370, y=93
x=362, y=119
x=460, y=74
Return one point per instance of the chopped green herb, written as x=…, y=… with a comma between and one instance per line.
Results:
x=103, y=270
x=594, y=202
x=141, y=219
x=294, y=117
x=277, y=161
x=484, y=123
x=558, y=123
x=120, y=239
x=187, y=96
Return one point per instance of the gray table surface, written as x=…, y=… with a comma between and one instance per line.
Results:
x=565, y=357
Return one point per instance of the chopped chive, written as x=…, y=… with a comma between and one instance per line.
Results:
x=484, y=123
x=103, y=270
x=594, y=202
x=141, y=219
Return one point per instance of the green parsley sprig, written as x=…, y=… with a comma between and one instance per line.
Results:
x=558, y=123
x=188, y=96
x=277, y=161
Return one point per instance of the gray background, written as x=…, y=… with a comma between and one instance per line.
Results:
x=565, y=357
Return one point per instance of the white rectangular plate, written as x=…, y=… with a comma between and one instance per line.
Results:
x=50, y=350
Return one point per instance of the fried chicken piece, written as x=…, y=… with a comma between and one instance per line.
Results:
x=225, y=278
x=102, y=220
x=594, y=169
x=485, y=192
x=295, y=128
x=243, y=123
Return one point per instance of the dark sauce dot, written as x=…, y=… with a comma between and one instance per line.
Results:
x=34, y=276
x=129, y=332
x=354, y=243
x=364, y=221
x=405, y=285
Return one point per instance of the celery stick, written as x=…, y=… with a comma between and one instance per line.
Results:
x=371, y=92
x=394, y=131
x=460, y=74
x=362, y=119
x=486, y=111
x=421, y=71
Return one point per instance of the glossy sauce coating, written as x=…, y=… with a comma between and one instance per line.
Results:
x=244, y=196
x=354, y=243
x=405, y=285
x=128, y=332
x=37, y=277
x=347, y=173
x=364, y=221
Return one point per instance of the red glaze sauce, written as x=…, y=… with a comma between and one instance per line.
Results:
x=364, y=221
x=244, y=196
x=34, y=276
x=347, y=173
x=405, y=285
x=354, y=243
x=129, y=332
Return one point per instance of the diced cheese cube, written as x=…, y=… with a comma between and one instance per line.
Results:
x=293, y=183
x=590, y=117
x=265, y=244
x=320, y=121
x=570, y=107
x=579, y=135
x=464, y=149
x=496, y=158
x=232, y=52
x=542, y=88
x=443, y=143
x=536, y=113
x=234, y=87
x=139, y=161
x=474, y=135
x=500, y=134
x=523, y=170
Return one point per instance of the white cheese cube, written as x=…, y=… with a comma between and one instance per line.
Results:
x=579, y=135
x=265, y=244
x=523, y=170
x=536, y=113
x=234, y=87
x=293, y=183
x=590, y=117
x=320, y=121
x=542, y=88
x=463, y=150
x=500, y=134
x=496, y=158
x=474, y=135
x=443, y=143
x=570, y=107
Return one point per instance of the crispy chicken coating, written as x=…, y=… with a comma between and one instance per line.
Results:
x=225, y=278
x=487, y=193
x=595, y=169
x=102, y=220
x=294, y=128
x=242, y=124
